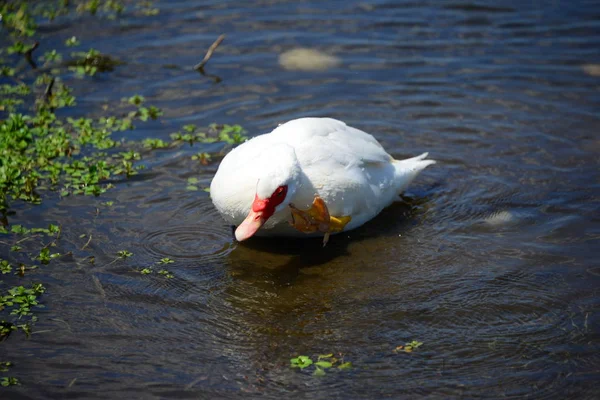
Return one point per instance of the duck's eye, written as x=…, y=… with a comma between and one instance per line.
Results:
x=279, y=192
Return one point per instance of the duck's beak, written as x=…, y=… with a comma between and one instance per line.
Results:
x=250, y=226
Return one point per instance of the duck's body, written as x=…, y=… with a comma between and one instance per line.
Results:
x=309, y=157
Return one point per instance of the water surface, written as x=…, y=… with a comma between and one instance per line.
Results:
x=490, y=259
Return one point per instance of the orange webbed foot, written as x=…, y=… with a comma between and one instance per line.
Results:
x=317, y=219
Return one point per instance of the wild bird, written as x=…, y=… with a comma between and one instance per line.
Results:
x=315, y=176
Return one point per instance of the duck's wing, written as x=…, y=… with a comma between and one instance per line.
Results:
x=327, y=138
x=345, y=166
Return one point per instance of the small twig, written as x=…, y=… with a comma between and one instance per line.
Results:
x=26, y=238
x=209, y=53
x=48, y=91
x=28, y=55
x=88, y=242
x=44, y=331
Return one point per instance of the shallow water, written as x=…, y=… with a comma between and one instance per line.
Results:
x=490, y=259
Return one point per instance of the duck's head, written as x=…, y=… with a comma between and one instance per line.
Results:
x=278, y=175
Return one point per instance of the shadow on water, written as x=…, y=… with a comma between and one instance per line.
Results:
x=287, y=256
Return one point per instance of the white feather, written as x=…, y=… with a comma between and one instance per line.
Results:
x=345, y=166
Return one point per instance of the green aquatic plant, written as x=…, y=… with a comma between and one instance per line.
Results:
x=92, y=61
x=20, y=299
x=124, y=254
x=5, y=365
x=408, y=347
x=51, y=230
x=72, y=42
x=155, y=144
x=301, y=362
x=204, y=158
x=163, y=272
x=230, y=134
x=45, y=256
x=51, y=56
x=323, y=363
x=5, y=267
x=9, y=381
x=192, y=183
x=147, y=8
x=166, y=274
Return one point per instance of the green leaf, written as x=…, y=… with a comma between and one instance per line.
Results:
x=124, y=254
x=301, y=362
x=346, y=365
x=323, y=364
x=71, y=42
x=319, y=372
x=166, y=274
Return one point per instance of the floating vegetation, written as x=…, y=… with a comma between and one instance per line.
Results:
x=408, y=347
x=230, y=134
x=203, y=158
x=92, y=61
x=163, y=272
x=124, y=254
x=192, y=181
x=7, y=380
x=323, y=363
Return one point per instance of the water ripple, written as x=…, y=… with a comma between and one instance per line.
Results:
x=203, y=242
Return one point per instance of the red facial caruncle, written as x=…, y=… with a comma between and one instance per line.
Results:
x=260, y=212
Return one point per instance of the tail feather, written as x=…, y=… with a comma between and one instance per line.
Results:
x=407, y=170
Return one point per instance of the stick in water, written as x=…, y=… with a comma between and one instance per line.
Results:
x=209, y=53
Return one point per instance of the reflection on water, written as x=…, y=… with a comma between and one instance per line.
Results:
x=490, y=259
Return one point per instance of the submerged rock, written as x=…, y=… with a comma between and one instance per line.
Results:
x=302, y=59
x=591, y=69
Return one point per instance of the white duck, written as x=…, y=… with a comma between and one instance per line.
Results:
x=340, y=176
